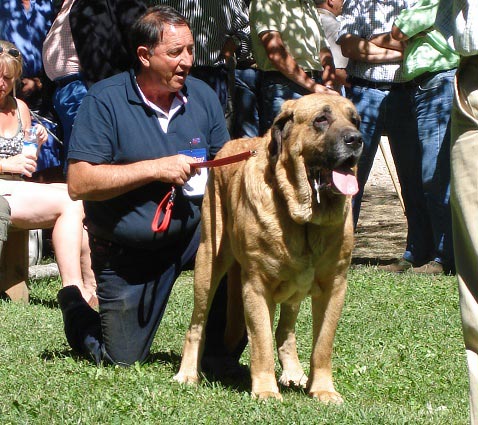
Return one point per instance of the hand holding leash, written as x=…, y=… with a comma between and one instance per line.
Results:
x=166, y=205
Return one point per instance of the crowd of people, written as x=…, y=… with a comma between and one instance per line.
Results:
x=140, y=93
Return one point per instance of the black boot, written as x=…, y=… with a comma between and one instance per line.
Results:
x=82, y=324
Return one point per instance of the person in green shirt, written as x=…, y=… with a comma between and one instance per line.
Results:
x=429, y=67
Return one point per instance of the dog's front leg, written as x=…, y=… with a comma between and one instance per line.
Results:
x=193, y=345
x=292, y=372
x=259, y=311
x=206, y=282
x=326, y=310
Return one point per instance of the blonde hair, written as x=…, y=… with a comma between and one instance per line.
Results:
x=11, y=63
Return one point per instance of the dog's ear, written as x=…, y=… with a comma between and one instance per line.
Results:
x=287, y=165
x=279, y=130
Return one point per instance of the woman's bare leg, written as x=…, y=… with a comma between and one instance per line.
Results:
x=40, y=206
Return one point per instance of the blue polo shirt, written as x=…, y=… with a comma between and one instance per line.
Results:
x=115, y=126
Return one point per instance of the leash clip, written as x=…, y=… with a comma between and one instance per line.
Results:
x=172, y=195
x=167, y=204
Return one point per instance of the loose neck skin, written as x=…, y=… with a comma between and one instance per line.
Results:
x=154, y=92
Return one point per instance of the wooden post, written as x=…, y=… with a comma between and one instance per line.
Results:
x=14, y=265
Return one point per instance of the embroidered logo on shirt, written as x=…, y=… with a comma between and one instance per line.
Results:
x=195, y=141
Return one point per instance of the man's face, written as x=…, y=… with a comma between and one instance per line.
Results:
x=338, y=6
x=172, y=59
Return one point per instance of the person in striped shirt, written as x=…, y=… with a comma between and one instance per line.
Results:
x=218, y=27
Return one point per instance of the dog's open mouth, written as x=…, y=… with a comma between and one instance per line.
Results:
x=341, y=180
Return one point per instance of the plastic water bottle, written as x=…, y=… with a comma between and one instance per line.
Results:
x=30, y=144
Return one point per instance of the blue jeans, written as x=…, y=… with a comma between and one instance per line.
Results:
x=433, y=100
x=275, y=90
x=216, y=78
x=246, y=106
x=66, y=101
x=390, y=112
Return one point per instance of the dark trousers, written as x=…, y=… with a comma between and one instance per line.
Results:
x=216, y=78
x=133, y=290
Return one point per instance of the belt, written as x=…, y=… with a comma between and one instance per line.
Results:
x=241, y=65
x=415, y=82
x=67, y=79
x=355, y=81
x=316, y=75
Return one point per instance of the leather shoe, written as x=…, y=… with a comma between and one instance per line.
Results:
x=397, y=266
x=432, y=267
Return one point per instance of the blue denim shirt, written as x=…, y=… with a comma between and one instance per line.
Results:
x=27, y=30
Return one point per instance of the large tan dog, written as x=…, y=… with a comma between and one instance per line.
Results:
x=280, y=226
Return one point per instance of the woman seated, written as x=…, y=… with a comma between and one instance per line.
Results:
x=38, y=205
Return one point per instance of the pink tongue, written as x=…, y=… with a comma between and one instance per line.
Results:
x=346, y=183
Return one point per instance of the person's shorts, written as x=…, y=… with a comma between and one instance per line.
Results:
x=4, y=218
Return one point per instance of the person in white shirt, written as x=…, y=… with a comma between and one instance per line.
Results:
x=329, y=11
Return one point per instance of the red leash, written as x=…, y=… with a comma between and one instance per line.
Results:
x=167, y=203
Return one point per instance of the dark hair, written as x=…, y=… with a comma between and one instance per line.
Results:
x=148, y=28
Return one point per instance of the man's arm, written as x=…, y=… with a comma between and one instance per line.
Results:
x=99, y=182
x=387, y=42
x=327, y=61
x=286, y=64
x=341, y=77
x=362, y=50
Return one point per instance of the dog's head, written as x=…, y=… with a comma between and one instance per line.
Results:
x=314, y=148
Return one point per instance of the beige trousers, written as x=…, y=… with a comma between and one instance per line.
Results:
x=464, y=204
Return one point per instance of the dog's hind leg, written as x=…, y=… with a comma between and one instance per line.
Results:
x=292, y=372
x=326, y=310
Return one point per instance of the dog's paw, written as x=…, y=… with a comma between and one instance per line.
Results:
x=291, y=379
x=184, y=378
x=265, y=395
x=327, y=397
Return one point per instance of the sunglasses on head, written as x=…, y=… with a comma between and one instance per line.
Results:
x=12, y=52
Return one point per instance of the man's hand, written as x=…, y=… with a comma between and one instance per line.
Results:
x=229, y=48
x=319, y=88
x=175, y=169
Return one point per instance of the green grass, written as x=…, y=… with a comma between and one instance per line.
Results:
x=398, y=359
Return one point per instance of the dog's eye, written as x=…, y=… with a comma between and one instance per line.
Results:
x=356, y=122
x=320, y=122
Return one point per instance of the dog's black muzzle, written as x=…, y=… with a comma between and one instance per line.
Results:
x=347, y=150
